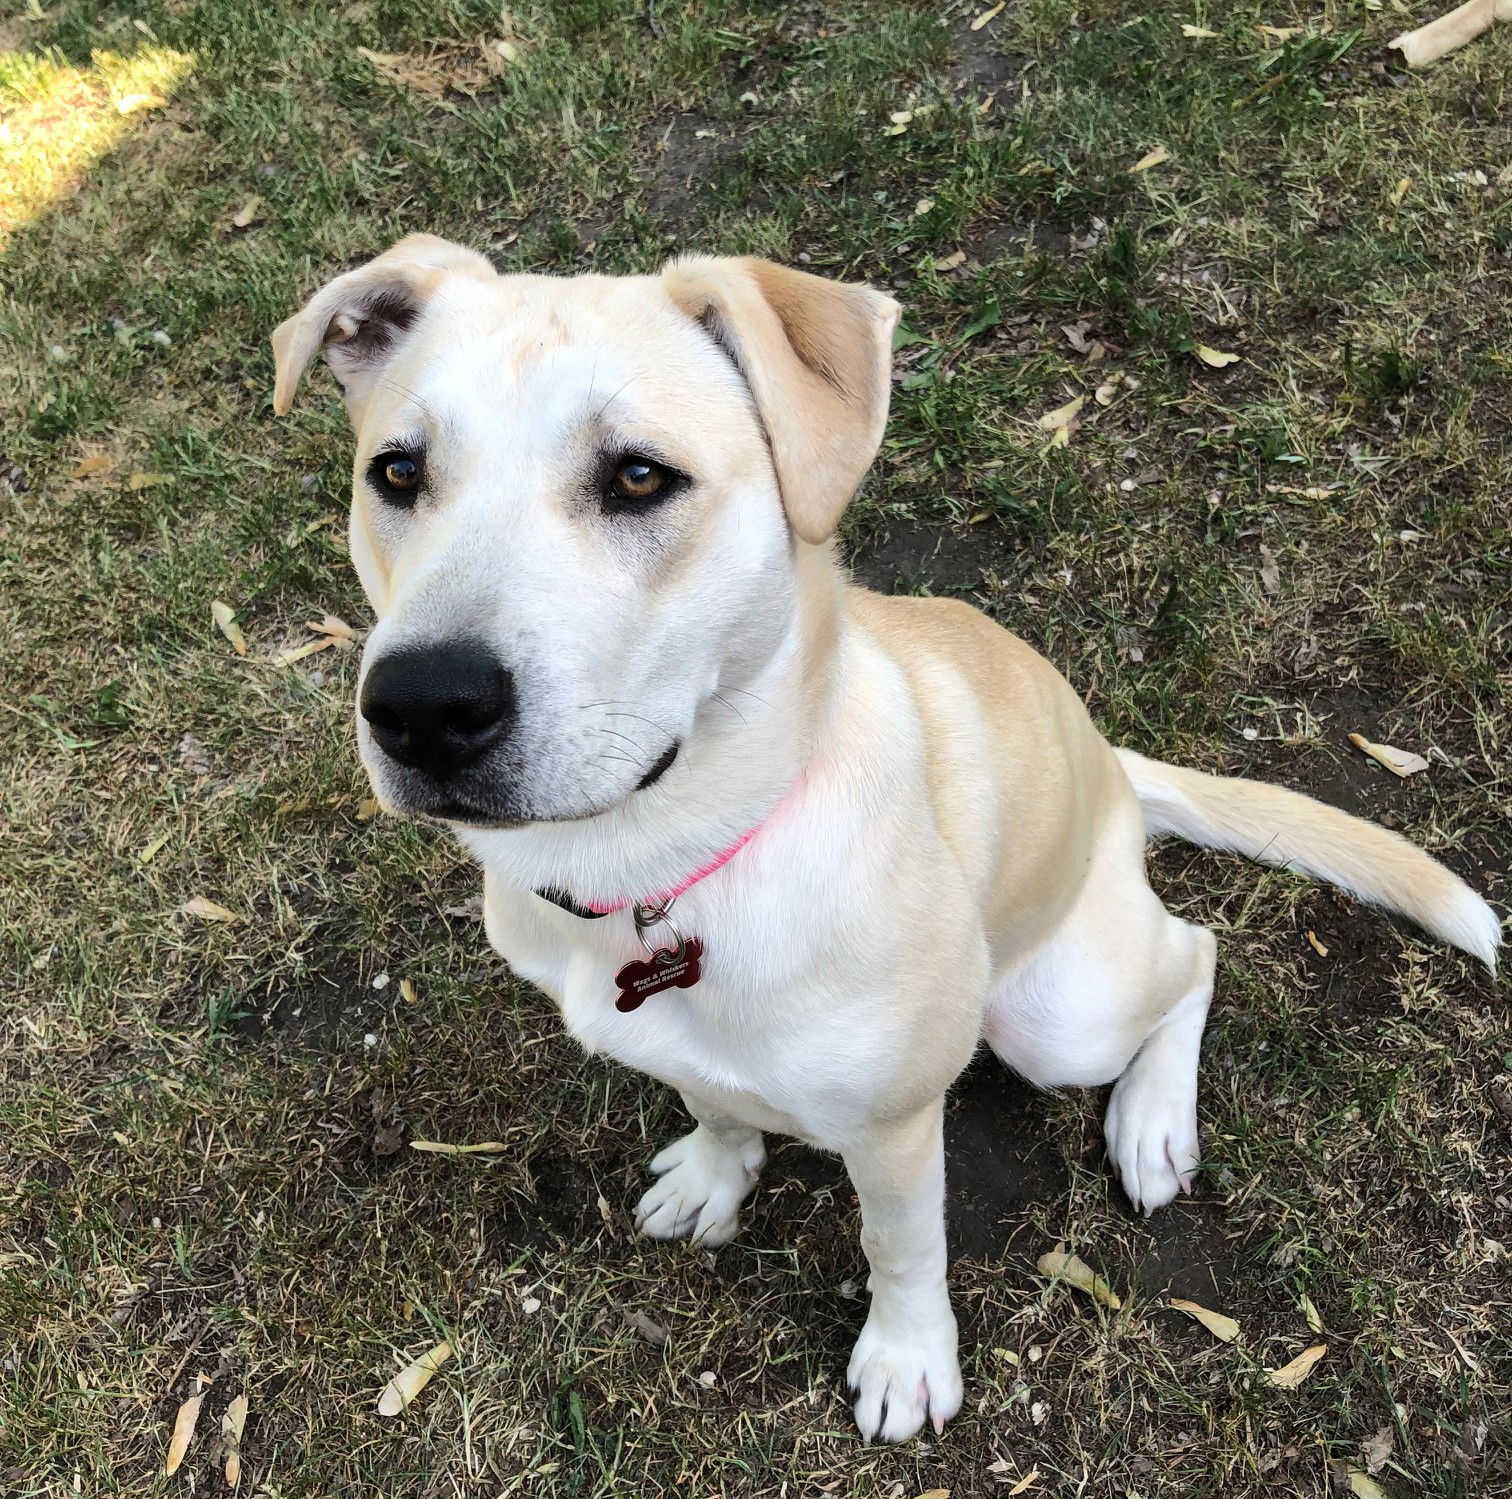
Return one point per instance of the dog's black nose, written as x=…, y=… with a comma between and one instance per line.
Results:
x=438, y=708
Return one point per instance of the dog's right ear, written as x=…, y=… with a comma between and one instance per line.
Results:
x=358, y=318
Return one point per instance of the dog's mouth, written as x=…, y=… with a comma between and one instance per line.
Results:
x=661, y=767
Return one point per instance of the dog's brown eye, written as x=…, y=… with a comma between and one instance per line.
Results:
x=397, y=476
x=401, y=473
x=638, y=479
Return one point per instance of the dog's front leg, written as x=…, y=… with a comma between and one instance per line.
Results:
x=904, y=1369
x=704, y=1178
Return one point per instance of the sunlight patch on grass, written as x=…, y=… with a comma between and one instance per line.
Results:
x=57, y=120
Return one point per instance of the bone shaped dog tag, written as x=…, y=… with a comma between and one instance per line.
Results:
x=664, y=969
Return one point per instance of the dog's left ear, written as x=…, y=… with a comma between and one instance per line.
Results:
x=817, y=355
x=358, y=318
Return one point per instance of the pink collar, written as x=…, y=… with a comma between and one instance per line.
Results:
x=661, y=902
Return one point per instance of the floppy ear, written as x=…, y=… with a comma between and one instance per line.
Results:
x=817, y=356
x=358, y=318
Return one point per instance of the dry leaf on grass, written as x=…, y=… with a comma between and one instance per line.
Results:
x=1060, y=422
x=131, y=104
x=334, y=626
x=1376, y=1451
x=91, y=465
x=1399, y=192
x=1225, y=1329
x=225, y=621
x=1218, y=358
x=300, y=652
x=407, y=991
x=408, y=1382
x=1031, y=1477
x=1401, y=763
x=1198, y=32
x=1322, y=951
x=1289, y=1376
x=1059, y=1265
x=1364, y=1487
x=988, y=15
x=209, y=910
x=153, y=849
x=368, y=809
x=1151, y=159
x=1270, y=571
x=1309, y=1311
x=950, y=262
x=142, y=479
x=1279, y=34
x=436, y=1147
x=652, y=1331
x=248, y=214
x=183, y=1432
x=232, y=1424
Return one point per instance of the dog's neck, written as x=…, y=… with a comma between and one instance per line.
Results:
x=750, y=743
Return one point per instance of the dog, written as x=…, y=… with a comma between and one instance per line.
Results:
x=791, y=847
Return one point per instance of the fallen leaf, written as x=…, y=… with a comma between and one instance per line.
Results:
x=1076, y=336
x=1059, y=1265
x=989, y=15
x=1270, y=572
x=368, y=809
x=225, y=621
x=1062, y=416
x=132, y=104
x=334, y=626
x=435, y=1147
x=1289, y=1376
x=142, y=479
x=248, y=214
x=950, y=262
x=1030, y=1477
x=1399, y=191
x=1225, y=1329
x=408, y=1382
x=652, y=1331
x=183, y=1432
x=1401, y=763
x=923, y=206
x=1151, y=159
x=407, y=991
x=232, y=1425
x=288, y=658
x=1309, y=1311
x=1218, y=358
x=1109, y=388
x=1198, y=31
x=1322, y=952
x=209, y=910
x=153, y=849
x=1279, y=34
x=91, y=465
x=1376, y=1451
x=1362, y=1487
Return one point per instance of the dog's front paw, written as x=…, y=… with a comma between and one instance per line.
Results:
x=703, y=1183
x=903, y=1372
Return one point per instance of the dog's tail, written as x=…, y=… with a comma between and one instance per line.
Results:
x=1275, y=826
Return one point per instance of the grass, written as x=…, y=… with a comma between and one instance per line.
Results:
x=203, y=1167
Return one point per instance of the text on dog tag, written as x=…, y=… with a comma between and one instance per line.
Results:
x=664, y=969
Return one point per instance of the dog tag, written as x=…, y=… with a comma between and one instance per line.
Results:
x=664, y=969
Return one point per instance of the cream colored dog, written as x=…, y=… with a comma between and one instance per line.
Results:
x=616, y=654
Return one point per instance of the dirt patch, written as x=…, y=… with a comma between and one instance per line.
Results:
x=687, y=153
x=980, y=66
x=913, y=556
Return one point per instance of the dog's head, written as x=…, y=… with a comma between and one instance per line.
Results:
x=576, y=504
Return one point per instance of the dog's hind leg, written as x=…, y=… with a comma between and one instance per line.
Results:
x=1151, y=1123
x=1119, y=991
x=702, y=1179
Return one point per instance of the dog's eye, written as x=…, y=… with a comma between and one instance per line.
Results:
x=396, y=476
x=638, y=481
